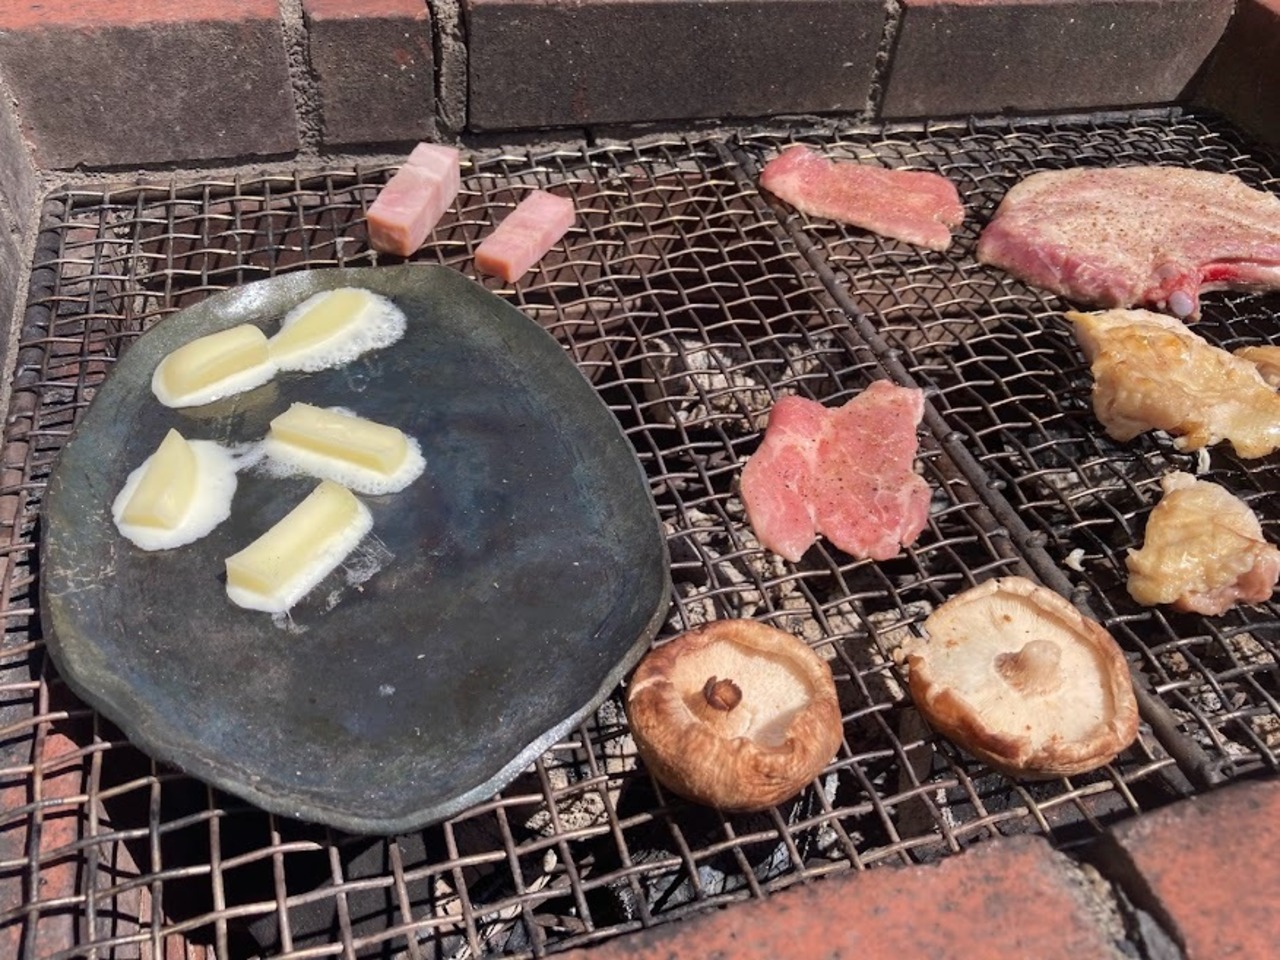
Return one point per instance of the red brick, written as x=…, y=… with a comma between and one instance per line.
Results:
x=535, y=64
x=374, y=68
x=1209, y=868
x=124, y=83
x=1012, y=898
x=958, y=57
x=1243, y=77
x=62, y=779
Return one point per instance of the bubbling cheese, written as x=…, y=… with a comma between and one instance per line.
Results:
x=215, y=366
x=334, y=444
x=177, y=495
x=283, y=565
x=335, y=327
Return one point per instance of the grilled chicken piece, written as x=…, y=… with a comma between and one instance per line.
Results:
x=1203, y=551
x=1136, y=236
x=1266, y=359
x=1152, y=373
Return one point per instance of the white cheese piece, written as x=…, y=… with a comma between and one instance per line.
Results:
x=209, y=368
x=285, y=563
x=336, y=445
x=167, y=487
x=332, y=328
x=177, y=495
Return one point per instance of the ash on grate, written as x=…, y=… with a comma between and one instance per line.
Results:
x=696, y=383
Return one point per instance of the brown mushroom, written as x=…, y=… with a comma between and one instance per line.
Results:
x=734, y=714
x=1016, y=675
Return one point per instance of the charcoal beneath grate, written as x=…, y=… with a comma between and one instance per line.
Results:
x=759, y=851
x=700, y=383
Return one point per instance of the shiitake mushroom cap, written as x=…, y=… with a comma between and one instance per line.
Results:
x=1014, y=674
x=734, y=714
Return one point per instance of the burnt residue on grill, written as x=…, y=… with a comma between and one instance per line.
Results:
x=691, y=300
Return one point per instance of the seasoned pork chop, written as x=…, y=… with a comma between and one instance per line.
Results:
x=1152, y=373
x=846, y=473
x=910, y=205
x=1136, y=236
x=1203, y=551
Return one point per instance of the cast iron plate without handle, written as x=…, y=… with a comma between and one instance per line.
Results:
x=499, y=600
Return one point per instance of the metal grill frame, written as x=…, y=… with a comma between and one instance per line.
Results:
x=691, y=301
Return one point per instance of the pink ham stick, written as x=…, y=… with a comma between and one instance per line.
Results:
x=523, y=238
x=414, y=200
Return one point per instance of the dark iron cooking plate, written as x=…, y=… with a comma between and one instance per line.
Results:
x=515, y=583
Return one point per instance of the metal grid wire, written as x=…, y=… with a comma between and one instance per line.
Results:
x=691, y=306
x=1002, y=367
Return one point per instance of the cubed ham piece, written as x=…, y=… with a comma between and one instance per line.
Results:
x=414, y=200
x=525, y=235
x=914, y=206
x=846, y=473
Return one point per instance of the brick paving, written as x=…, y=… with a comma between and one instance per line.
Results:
x=1208, y=869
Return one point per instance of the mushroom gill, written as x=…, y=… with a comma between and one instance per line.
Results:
x=1014, y=674
x=734, y=714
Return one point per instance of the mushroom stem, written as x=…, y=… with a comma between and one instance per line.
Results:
x=721, y=694
x=1033, y=669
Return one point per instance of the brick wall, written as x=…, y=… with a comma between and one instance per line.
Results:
x=119, y=83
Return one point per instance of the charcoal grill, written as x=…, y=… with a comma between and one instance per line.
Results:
x=691, y=301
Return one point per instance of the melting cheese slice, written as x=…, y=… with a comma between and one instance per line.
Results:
x=285, y=563
x=167, y=488
x=218, y=365
x=367, y=456
x=320, y=321
x=335, y=327
x=177, y=495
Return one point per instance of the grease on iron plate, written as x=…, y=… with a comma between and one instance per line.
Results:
x=1014, y=674
x=734, y=714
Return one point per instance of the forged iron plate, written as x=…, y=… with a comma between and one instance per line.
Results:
x=516, y=580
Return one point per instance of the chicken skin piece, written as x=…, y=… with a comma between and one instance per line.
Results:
x=1266, y=359
x=1152, y=373
x=1203, y=551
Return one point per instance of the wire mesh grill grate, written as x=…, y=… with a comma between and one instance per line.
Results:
x=691, y=304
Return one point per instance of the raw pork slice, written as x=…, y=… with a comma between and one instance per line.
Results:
x=523, y=238
x=845, y=473
x=1150, y=372
x=1136, y=236
x=414, y=200
x=910, y=205
x=1203, y=551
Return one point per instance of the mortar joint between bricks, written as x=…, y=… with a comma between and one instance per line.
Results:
x=1147, y=931
x=884, y=57
x=307, y=105
x=452, y=80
